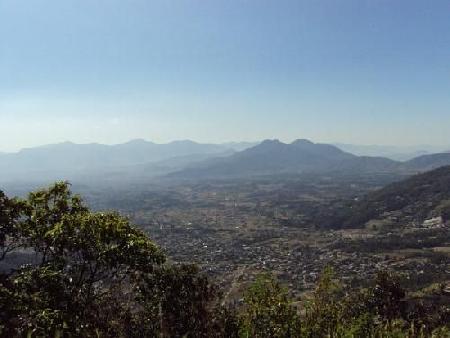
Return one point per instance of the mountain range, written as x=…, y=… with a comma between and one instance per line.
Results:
x=139, y=159
x=69, y=159
x=273, y=157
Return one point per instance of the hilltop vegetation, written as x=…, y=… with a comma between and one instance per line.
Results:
x=94, y=274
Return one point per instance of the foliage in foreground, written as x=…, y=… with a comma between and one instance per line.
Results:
x=380, y=311
x=93, y=274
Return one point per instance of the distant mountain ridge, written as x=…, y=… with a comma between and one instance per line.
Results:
x=64, y=159
x=429, y=162
x=82, y=155
x=142, y=160
x=274, y=157
x=397, y=153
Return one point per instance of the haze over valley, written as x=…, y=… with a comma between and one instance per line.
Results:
x=178, y=160
x=225, y=169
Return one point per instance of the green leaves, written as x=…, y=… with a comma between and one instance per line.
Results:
x=10, y=230
x=97, y=275
x=268, y=310
x=82, y=257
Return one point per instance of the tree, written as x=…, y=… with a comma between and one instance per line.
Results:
x=10, y=211
x=323, y=311
x=387, y=297
x=93, y=274
x=268, y=310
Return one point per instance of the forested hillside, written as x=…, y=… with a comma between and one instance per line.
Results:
x=417, y=198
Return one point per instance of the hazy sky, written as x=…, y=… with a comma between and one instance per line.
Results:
x=361, y=71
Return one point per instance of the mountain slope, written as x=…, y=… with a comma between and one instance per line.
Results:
x=429, y=162
x=191, y=160
x=239, y=146
x=397, y=153
x=275, y=157
x=418, y=197
x=68, y=157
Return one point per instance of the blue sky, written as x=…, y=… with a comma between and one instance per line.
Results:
x=355, y=71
